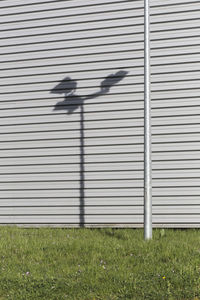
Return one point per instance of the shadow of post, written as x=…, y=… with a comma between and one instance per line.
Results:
x=72, y=102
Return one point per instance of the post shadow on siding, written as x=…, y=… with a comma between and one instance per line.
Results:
x=70, y=104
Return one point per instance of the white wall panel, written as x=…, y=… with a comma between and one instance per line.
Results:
x=59, y=168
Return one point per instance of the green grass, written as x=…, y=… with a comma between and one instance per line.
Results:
x=93, y=264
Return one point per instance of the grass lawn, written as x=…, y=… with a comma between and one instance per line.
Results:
x=99, y=264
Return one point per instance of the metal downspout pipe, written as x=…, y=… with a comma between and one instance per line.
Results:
x=147, y=127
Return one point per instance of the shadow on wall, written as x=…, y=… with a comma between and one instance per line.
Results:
x=71, y=102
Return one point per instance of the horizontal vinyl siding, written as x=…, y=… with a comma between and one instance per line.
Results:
x=40, y=148
x=175, y=115
x=41, y=179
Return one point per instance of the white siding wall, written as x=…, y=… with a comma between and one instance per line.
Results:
x=176, y=112
x=42, y=42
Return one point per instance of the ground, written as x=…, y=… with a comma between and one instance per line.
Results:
x=94, y=264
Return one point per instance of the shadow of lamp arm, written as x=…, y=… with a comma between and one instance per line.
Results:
x=73, y=101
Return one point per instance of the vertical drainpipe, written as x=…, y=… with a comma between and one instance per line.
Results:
x=147, y=127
